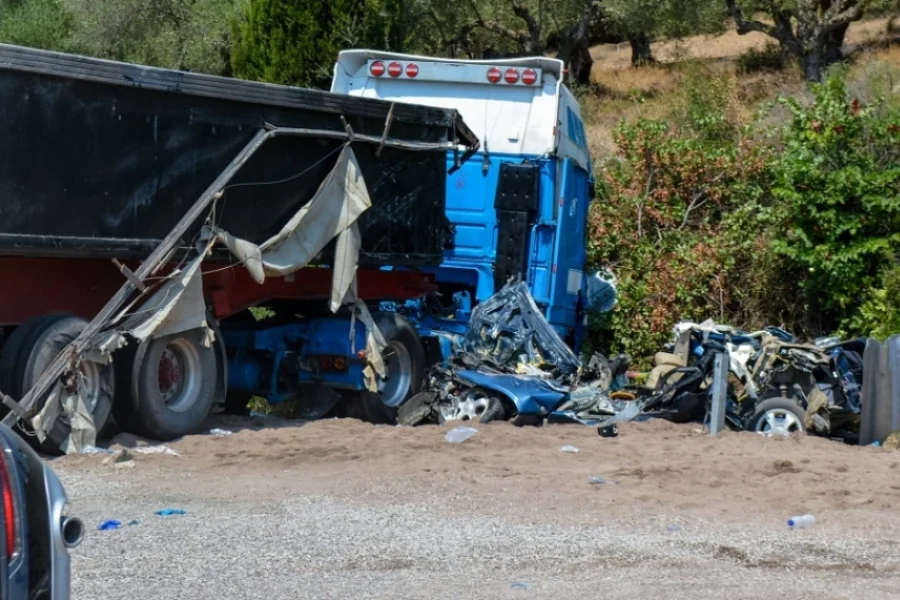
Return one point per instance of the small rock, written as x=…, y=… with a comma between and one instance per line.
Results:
x=120, y=457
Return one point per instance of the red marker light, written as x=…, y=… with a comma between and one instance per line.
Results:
x=412, y=69
x=511, y=76
x=494, y=75
x=395, y=69
x=529, y=76
x=377, y=68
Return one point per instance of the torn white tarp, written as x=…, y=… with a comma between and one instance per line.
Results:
x=72, y=406
x=332, y=213
x=338, y=203
x=176, y=305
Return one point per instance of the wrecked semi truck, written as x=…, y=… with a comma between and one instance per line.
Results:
x=519, y=210
x=145, y=214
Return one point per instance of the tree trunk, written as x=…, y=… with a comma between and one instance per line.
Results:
x=813, y=63
x=641, y=53
x=581, y=63
x=834, y=43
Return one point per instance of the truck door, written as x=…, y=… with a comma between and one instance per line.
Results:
x=570, y=253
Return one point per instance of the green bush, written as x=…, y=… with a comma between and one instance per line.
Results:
x=672, y=220
x=296, y=42
x=36, y=23
x=837, y=182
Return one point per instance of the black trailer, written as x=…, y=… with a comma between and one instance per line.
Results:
x=100, y=157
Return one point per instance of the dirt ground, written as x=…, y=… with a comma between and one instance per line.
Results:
x=344, y=509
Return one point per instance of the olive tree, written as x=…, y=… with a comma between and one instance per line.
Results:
x=813, y=31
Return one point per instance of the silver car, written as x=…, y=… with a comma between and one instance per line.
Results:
x=35, y=535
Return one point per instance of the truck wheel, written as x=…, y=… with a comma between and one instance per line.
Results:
x=41, y=343
x=12, y=348
x=169, y=385
x=404, y=359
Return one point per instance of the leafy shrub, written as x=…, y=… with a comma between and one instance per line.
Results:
x=672, y=220
x=837, y=182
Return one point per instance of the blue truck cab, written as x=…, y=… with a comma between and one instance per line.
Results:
x=519, y=209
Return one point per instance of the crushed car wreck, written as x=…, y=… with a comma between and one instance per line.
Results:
x=776, y=385
x=512, y=365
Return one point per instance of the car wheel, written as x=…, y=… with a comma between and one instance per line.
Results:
x=778, y=416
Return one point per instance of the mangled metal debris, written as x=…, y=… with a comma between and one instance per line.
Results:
x=775, y=384
x=511, y=364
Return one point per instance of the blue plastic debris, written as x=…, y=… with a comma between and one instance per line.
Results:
x=109, y=525
x=133, y=522
x=170, y=512
x=518, y=585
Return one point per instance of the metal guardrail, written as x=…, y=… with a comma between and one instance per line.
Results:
x=880, y=390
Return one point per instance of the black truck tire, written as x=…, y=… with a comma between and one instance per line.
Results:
x=167, y=386
x=12, y=348
x=41, y=343
x=405, y=362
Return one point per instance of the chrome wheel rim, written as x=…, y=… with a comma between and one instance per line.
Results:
x=779, y=421
x=178, y=375
x=470, y=407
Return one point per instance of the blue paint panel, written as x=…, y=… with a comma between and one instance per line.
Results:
x=470, y=207
x=576, y=129
x=570, y=253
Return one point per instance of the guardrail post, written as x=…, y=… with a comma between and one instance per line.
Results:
x=719, y=394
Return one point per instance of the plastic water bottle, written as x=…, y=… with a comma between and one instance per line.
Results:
x=460, y=434
x=569, y=449
x=804, y=522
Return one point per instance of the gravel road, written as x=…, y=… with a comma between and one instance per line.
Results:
x=354, y=511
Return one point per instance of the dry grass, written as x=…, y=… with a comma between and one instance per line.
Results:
x=626, y=93
x=729, y=45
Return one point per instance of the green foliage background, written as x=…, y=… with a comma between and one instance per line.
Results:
x=790, y=217
x=705, y=216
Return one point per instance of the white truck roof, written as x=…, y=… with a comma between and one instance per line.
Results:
x=516, y=106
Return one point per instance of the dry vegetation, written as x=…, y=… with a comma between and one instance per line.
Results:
x=624, y=92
